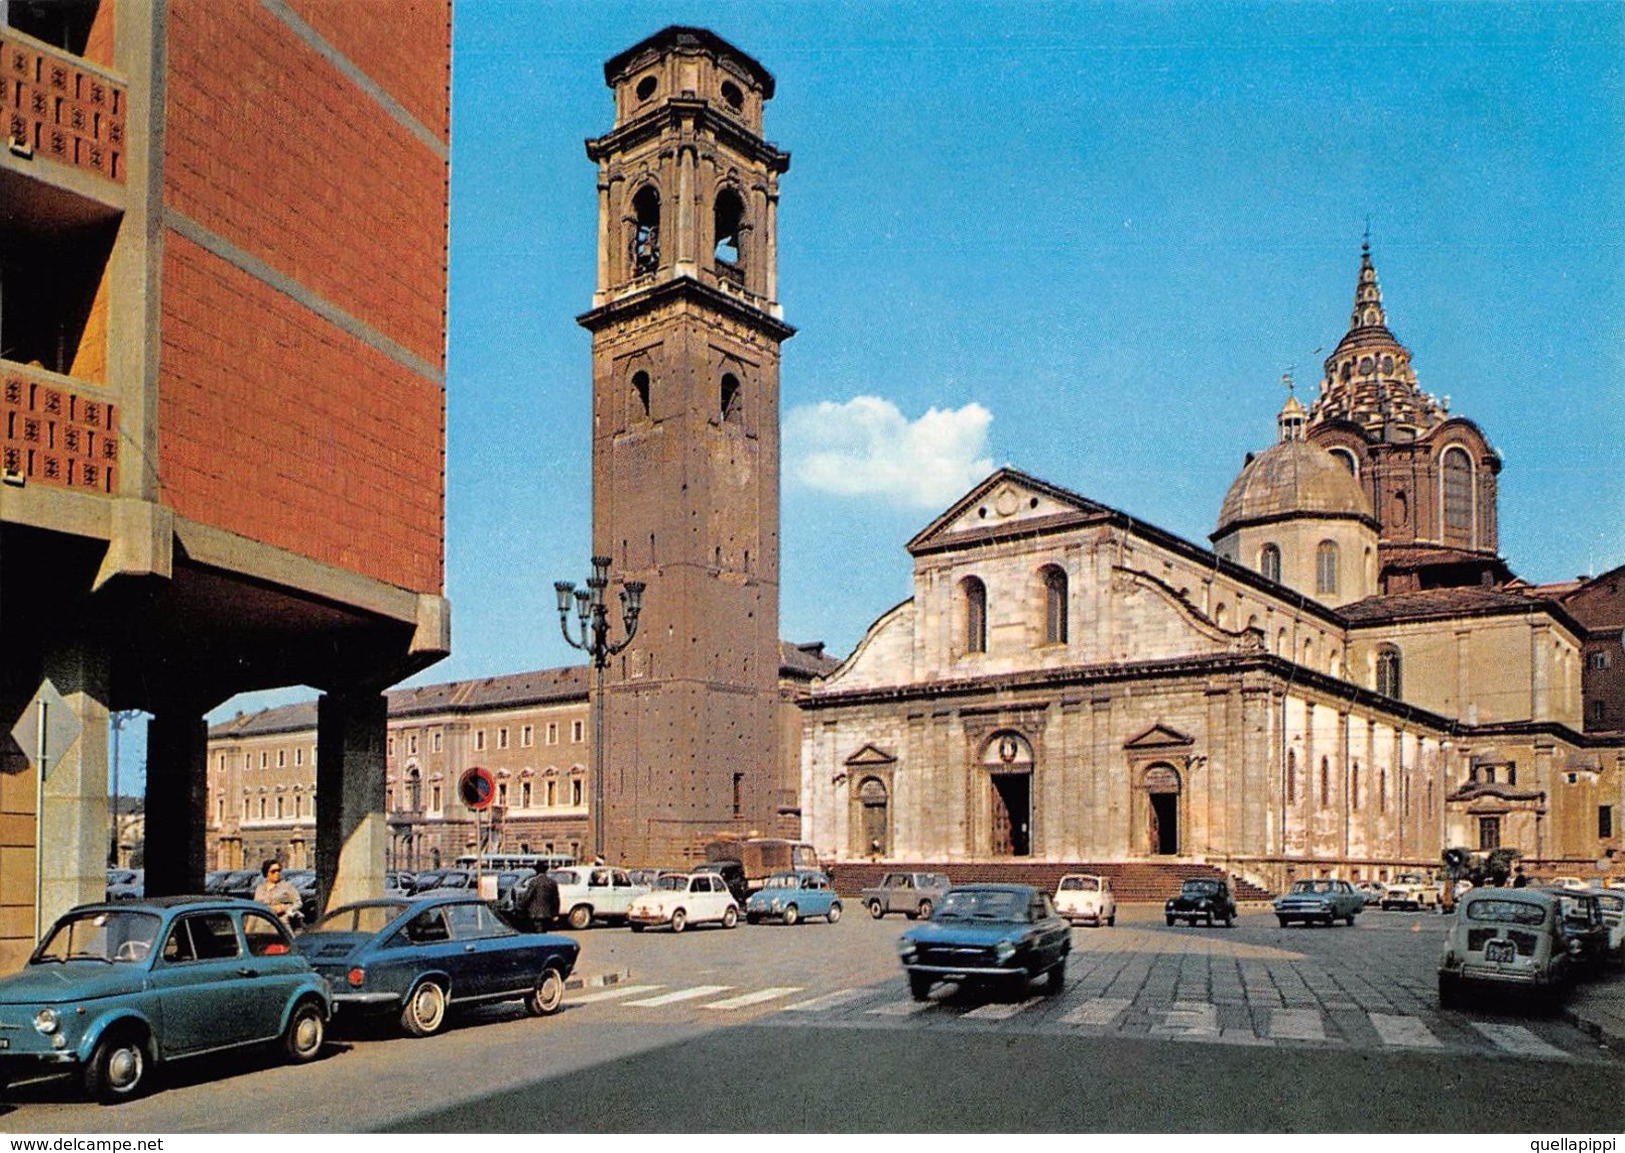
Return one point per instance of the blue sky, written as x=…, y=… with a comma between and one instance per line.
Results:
x=1085, y=240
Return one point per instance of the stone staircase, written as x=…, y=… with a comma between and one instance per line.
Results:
x=1131, y=880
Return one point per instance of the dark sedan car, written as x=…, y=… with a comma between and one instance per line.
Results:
x=118, y=988
x=999, y=935
x=419, y=957
x=1201, y=898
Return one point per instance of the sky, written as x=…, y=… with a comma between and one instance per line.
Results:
x=1084, y=240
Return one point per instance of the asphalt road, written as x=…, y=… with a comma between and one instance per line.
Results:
x=811, y=1029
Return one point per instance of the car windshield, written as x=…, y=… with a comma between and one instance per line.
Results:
x=1408, y=879
x=1199, y=888
x=566, y=877
x=1080, y=884
x=99, y=936
x=1311, y=886
x=782, y=881
x=672, y=883
x=359, y=918
x=982, y=904
x=1506, y=909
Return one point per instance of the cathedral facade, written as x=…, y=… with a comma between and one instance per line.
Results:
x=1346, y=683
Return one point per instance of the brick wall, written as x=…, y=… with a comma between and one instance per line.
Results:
x=404, y=40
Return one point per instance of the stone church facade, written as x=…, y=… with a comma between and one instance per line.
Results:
x=1347, y=683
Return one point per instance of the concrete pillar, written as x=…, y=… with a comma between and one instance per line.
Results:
x=75, y=822
x=177, y=800
x=352, y=838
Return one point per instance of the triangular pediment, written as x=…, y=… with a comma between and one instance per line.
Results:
x=870, y=757
x=1159, y=737
x=1007, y=503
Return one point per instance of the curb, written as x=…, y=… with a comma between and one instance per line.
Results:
x=598, y=980
x=1609, y=1034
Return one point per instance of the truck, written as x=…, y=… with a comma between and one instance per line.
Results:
x=761, y=857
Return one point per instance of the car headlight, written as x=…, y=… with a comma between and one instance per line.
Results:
x=906, y=949
x=1004, y=950
x=46, y=1021
x=776, y=902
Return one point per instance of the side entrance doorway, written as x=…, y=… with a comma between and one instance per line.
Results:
x=1012, y=814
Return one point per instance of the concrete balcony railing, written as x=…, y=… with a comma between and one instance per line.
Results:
x=58, y=431
x=56, y=105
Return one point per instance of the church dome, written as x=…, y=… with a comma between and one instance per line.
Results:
x=1292, y=478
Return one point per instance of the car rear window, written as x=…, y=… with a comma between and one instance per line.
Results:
x=1506, y=909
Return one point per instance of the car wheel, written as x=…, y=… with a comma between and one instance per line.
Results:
x=1111, y=921
x=548, y=995
x=791, y=914
x=924, y=911
x=752, y=918
x=875, y=910
x=1449, y=991
x=1229, y=920
x=118, y=1069
x=1284, y=922
x=919, y=986
x=835, y=912
x=306, y=1032
x=730, y=918
x=425, y=1010
x=1056, y=980
x=580, y=917
x=679, y=921
x=1350, y=920
x=636, y=928
x=1170, y=922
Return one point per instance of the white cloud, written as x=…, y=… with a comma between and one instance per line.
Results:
x=866, y=447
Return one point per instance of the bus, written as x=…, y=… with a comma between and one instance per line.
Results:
x=507, y=862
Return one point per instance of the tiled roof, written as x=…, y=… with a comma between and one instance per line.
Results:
x=805, y=660
x=1470, y=600
x=280, y=719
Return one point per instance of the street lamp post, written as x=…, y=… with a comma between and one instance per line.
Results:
x=593, y=621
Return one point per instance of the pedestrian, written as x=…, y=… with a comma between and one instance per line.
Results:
x=1519, y=881
x=281, y=897
x=540, y=904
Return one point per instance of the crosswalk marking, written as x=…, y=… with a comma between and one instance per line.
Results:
x=827, y=1001
x=614, y=992
x=744, y=1000
x=1000, y=1010
x=1297, y=1025
x=1188, y=1019
x=899, y=1008
x=1408, y=1032
x=1099, y=1011
x=1516, y=1039
x=681, y=995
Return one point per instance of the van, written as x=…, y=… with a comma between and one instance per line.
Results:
x=761, y=857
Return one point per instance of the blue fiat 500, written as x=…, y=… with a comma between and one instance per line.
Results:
x=116, y=988
x=794, y=896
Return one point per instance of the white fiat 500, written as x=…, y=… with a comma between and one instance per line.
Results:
x=1085, y=897
x=681, y=900
x=1508, y=939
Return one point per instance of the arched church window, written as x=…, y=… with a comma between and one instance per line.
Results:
x=1291, y=777
x=732, y=399
x=1325, y=781
x=645, y=252
x=1269, y=562
x=729, y=217
x=1055, y=631
x=974, y=593
x=640, y=393
x=1326, y=567
x=1388, y=682
x=1456, y=482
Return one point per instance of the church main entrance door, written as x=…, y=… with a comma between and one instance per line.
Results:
x=1012, y=814
x=1161, y=784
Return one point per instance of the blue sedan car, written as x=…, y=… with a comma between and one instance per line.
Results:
x=995, y=935
x=420, y=957
x=794, y=896
x=116, y=988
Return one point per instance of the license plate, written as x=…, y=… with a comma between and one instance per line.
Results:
x=1500, y=952
x=5, y=1042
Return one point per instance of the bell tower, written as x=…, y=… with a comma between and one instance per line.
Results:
x=686, y=328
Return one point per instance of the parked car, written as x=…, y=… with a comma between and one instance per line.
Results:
x=509, y=882
x=419, y=958
x=118, y=988
x=1372, y=891
x=1319, y=902
x=1085, y=897
x=232, y=883
x=1505, y=938
x=1569, y=883
x=1612, y=904
x=589, y=893
x=995, y=935
x=733, y=875
x=1410, y=891
x=683, y=899
x=1583, y=927
x=305, y=881
x=124, y=884
x=1201, y=898
x=915, y=895
x=794, y=896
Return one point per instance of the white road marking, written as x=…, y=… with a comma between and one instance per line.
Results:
x=1297, y=1025
x=1188, y=1019
x=744, y=1000
x=1099, y=1011
x=682, y=995
x=1408, y=1032
x=900, y=1008
x=613, y=992
x=827, y=1001
x=1000, y=1010
x=1517, y=1039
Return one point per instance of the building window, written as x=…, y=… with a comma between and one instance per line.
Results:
x=1291, y=777
x=1388, y=681
x=1325, y=781
x=524, y=795
x=975, y=594
x=645, y=240
x=739, y=798
x=552, y=732
x=728, y=218
x=640, y=395
x=577, y=729
x=391, y=746
x=502, y=738
x=1456, y=484
x=479, y=740
x=1269, y=562
x=412, y=745
x=414, y=791
x=1054, y=606
x=575, y=791
x=220, y=762
x=1489, y=833
x=1382, y=790
x=1354, y=786
x=248, y=760
x=527, y=736
x=265, y=759
x=434, y=798
x=731, y=400
x=552, y=791
x=299, y=756
x=282, y=758
x=1596, y=712
x=502, y=794
x=1326, y=567
x=1599, y=660
x=1605, y=822
x=435, y=740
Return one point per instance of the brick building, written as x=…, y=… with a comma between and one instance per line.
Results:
x=222, y=321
